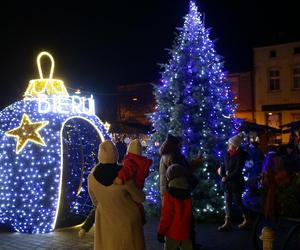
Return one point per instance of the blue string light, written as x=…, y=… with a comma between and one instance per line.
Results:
x=30, y=181
x=194, y=101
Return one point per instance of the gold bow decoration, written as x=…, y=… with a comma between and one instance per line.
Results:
x=45, y=86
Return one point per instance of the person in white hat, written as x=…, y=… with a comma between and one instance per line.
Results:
x=118, y=223
x=233, y=182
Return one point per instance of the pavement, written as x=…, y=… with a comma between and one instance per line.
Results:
x=64, y=239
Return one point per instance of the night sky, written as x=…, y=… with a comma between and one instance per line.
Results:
x=99, y=45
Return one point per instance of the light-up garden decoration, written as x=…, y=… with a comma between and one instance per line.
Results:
x=47, y=141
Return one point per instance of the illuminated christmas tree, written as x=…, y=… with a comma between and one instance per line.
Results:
x=194, y=102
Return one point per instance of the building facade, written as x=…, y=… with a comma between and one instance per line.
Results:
x=277, y=85
x=242, y=88
x=135, y=101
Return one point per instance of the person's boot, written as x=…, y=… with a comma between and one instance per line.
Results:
x=226, y=226
x=246, y=224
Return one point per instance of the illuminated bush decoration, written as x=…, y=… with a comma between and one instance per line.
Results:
x=46, y=145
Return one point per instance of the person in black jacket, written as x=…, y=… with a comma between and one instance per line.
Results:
x=233, y=182
x=291, y=159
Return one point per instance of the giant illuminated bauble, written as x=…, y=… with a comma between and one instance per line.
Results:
x=47, y=141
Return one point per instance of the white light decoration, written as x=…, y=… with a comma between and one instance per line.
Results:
x=41, y=169
x=194, y=101
x=66, y=104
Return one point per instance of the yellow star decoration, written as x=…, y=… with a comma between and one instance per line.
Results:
x=27, y=131
x=106, y=125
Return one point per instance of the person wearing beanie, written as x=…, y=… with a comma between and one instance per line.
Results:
x=135, y=147
x=108, y=153
x=107, y=157
x=118, y=205
x=176, y=213
x=233, y=182
x=170, y=152
x=236, y=140
x=136, y=167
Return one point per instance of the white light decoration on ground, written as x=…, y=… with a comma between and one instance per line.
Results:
x=32, y=145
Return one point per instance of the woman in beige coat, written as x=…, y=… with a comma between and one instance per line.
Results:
x=118, y=222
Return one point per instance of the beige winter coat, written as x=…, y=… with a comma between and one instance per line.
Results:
x=118, y=224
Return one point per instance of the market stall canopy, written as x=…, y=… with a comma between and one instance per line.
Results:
x=286, y=128
x=251, y=126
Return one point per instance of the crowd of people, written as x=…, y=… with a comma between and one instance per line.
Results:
x=116, y=191
x=113, y=186
x=269, y=177
x=280, y=181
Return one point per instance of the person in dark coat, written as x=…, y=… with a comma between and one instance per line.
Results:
x=88, y=224
x=272, y=165
x=256, y=155
x=233, y=182
x=292, y=159
x=170, y=152
x=121, y=147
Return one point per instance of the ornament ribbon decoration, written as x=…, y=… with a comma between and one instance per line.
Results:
x=48, y=86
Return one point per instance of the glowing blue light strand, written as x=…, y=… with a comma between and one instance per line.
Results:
x=194, y=101
x=30, y=181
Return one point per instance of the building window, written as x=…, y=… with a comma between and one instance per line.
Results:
x=297, y=50
x=273, y=54
x=273, y=120
x=296, y=77
x=274, y=80
x=295, y=117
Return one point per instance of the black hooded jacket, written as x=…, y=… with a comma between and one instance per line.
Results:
x=233, y=170
x=106, y=173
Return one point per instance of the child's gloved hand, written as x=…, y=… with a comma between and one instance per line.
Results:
x=81, y=233
x=161, y=238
